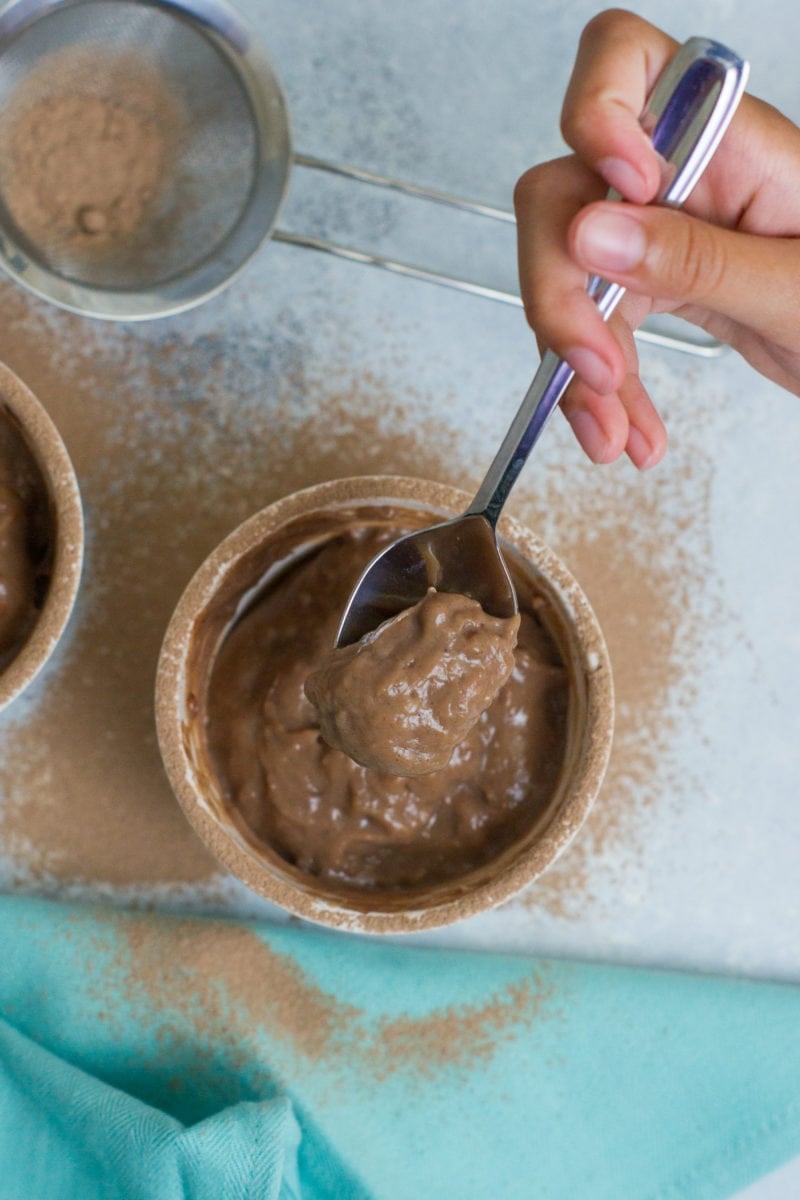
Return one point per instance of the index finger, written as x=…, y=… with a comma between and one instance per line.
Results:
x=620, y=57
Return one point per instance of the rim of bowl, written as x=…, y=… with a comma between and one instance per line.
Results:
x=243, y=860
x=51, y=456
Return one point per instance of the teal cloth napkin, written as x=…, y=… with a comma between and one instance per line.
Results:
x=149, y=1058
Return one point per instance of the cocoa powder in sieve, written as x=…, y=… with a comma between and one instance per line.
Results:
x=85, y=148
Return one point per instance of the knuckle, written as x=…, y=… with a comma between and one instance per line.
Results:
x=539, y=309
x=578, y=122
x=604, y=38
x=530, y=187
x=611, y=23
x=535, y=314
x=601, y=24
x=701, y=267
x=555, y=316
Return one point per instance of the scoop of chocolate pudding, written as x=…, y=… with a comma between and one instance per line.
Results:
x=352, y=828
x=402, y=698
x=24, y=539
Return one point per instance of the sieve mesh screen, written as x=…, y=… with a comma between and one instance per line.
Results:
x=116, y=96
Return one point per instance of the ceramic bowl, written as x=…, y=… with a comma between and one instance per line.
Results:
x=61, y=577
x=248, y=560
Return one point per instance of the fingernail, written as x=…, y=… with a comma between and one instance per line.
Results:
x=610, y=241
x=591, y=368
x=626, y=179
x=589, y=434
x=639, y=450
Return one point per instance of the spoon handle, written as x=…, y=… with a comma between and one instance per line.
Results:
x=688, y=111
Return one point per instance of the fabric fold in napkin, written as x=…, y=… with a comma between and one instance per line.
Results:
x=149, y=1058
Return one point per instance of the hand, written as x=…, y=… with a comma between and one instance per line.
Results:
x=729, y=261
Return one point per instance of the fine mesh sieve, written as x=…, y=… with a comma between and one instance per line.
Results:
x=190, y=77
x=193, y=71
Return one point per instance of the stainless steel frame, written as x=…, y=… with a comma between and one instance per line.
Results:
x=240, y=47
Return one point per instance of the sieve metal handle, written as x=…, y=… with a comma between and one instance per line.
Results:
x=700, y=347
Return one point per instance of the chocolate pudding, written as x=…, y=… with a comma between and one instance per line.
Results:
x=403, y=697
x=353, y=829
x=25, y=539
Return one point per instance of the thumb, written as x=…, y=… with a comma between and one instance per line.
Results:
x=669, y=255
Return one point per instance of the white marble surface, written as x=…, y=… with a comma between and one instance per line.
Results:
x=701, y=870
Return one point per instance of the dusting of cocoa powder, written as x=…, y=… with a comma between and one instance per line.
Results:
x=229, y=989
x=175, y=442
x=646, y=575
x=163, y=448
x=460, y=1035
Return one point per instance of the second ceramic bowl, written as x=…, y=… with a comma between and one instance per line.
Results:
x=59, y=542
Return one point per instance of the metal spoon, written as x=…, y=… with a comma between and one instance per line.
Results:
x=687, y=114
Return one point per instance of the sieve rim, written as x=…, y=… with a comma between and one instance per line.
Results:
x=233, y=37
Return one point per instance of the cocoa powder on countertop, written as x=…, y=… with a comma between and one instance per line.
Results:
x=172, y=453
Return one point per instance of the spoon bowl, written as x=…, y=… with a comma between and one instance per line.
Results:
x=461, y=555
